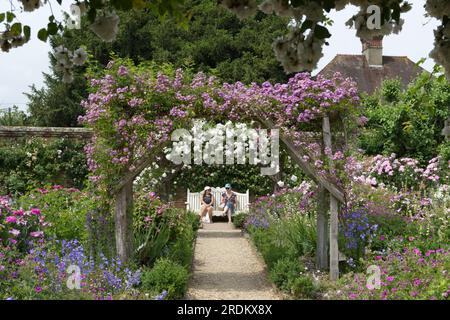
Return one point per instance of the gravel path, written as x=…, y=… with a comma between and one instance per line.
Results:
x=227, y=267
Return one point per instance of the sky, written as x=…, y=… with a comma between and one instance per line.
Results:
x=22, y=67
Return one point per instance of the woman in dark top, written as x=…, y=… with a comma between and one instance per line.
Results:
x=207, y=204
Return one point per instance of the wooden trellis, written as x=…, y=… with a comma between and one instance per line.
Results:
x=329, y=197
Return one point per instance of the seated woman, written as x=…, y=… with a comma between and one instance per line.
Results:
x=229, y=200
x=207, y=204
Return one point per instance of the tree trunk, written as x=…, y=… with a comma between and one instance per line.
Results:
x=124, y=222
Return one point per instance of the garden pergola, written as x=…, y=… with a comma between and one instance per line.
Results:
x=123, y=191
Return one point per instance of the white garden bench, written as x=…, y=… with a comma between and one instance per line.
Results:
x=193, y=201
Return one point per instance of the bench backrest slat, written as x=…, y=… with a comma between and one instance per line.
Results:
x=193, y=200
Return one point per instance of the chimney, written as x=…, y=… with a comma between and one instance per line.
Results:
x=373, y=50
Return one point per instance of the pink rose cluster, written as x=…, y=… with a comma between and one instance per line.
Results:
x=20, y=225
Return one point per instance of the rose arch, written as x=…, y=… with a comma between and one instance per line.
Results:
x=132, y=111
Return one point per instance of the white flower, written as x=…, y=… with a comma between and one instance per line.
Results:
x=164, y=175
x=63, y=65
x=106, y=26
x=61, y=53
x=294, y=178
x=280, y=184
x=79, y=57
x=30, y=5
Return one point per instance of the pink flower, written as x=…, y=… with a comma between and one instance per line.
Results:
x=14, y=232
x=36, y=234
x=35, y=211
x=19, y=212
x=382, y=238
x=378, y=257
x=390, y=278
x=417, y=252
x=353, y=296
x=38, y=289
x=11, y=219
x=417, y=282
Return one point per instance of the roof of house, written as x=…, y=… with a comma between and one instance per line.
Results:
x=368, y=78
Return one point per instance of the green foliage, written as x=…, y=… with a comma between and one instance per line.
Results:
x=239, y=219
x=300, y=234
x=269, y=246
x=409, y=122
x=304, y=287
x=285, y=271
x=152, y=243
x=65, y=209
x=31, y=163
x=241, y=177
x=166, y=275
x=180, y=249
x=161, y=230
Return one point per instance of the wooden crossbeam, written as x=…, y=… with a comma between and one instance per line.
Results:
x=45, y=132
x=297, y=153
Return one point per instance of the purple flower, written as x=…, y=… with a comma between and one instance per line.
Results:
x=122, y=71
x=162, y=295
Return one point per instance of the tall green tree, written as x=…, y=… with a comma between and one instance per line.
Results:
x=215, y=41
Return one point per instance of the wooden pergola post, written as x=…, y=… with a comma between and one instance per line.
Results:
x=123, y=222
x=322, y=228
x=334, y=207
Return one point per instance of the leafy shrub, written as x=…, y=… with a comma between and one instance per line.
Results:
x=407, y=123
x=269, y=246
x=300, y=233
x=163, y=230
x=180, y=249
x=239, y=219
x=166, y=275
x=66, y=210
x=304, y=287
x=28, y=164
x=284, y=272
